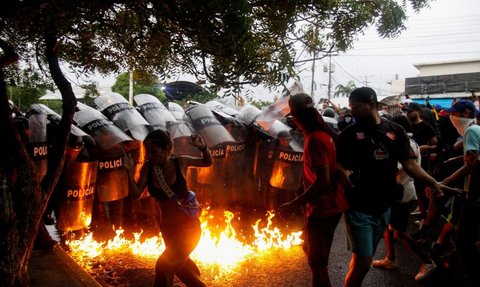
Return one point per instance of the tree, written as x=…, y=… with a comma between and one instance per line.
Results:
x=344, y=91
x=91, y=92
x=198, y=97
x=228, y=43
x=260, y=104
x=26, y=85
x=144, y=83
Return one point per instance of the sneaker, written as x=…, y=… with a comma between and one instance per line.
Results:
x=425, y=271
x=415, y=212
x=384, y=263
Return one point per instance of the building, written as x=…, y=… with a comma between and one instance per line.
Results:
x=442, y=82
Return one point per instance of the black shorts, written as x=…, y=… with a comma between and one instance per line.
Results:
x=318, y=239
x=401, y=214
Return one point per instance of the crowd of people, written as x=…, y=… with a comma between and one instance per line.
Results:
x=375, y=166
x=388, y=164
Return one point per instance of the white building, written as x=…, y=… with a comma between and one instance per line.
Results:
x=440, y=80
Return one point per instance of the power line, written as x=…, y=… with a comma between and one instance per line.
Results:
x=410, y=54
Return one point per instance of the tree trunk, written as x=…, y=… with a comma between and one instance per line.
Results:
x=23, y=200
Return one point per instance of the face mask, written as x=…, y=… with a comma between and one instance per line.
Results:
x=461, y=124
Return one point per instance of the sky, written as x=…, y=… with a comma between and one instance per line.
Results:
x=448, y=30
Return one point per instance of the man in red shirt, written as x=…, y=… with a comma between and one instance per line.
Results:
x=321, y=192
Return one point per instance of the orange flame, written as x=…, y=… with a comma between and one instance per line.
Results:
x=221, y=250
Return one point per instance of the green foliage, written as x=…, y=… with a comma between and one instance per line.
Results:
x=55, y=105
x=198, y=97
x=91, y=92
x=344, y=91
x=227, y=43
x=143, y=83
x=26, y=85
x=260, y=104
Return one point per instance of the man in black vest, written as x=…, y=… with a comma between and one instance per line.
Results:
x=368, y=152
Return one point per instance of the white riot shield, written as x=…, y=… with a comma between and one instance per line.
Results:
x=55, y=118
x=154, y=111
x=94, y=123
x=77, y=195
x=272, y=113
x=37, y=124
x=176, y=110
x=247, y=114
x=277, y=127
x=119, y=110
x=222, y=109
x=205, y=123
x=180, y=132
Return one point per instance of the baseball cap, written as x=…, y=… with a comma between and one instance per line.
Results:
x=363, y=95
x=443, y=113
x=461, y=106
x=299, y=102
x=413, y=107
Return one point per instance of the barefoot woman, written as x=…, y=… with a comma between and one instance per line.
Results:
x=164, y=176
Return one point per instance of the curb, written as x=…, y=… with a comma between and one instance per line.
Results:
x=77, y=271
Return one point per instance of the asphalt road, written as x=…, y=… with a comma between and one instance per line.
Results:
x=279, y=268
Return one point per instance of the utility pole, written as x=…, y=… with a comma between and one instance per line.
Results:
x=313, y=69
x=329, y=75
x=130, y=87
x=313, y=75
x=366, y=80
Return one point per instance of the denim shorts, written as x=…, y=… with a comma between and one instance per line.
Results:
x=364, y=231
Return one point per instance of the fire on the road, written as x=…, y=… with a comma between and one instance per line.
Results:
x=220, y=246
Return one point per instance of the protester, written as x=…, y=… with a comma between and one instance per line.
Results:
x=400, y=214
x=165, y=177
x=424, y=135
x=468, y=238
x=370, y=150
x=321, y=192
x=345, y=120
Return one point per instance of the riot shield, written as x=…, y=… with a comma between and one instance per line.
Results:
x=37, y=124
x=222, y=109
x=273, y=113
x=112, y=183
x=54, y=118
x=94, y=123
x=176, y=110
x=216, y=172
x=77, y=195
x=247, y=114
x=287, y=169
x=180, y=132
x=205, y=123
x=115, y=107
x=154, y=111
x=211, y=179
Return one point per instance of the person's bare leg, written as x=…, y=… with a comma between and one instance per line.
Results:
x=389, y=237
x=359, y=266
x=320, y=277
x=190, y=274
x=414, y=247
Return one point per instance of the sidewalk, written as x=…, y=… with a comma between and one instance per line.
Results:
x=55, y=268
